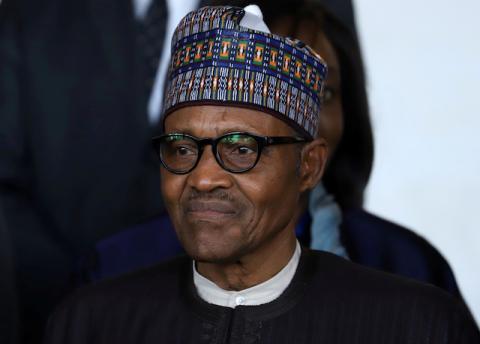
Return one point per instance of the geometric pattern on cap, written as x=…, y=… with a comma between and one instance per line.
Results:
x=216, y=61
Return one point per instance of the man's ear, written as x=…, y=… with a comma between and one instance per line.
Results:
x=312, y=163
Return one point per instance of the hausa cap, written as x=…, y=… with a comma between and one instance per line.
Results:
x=226, y=56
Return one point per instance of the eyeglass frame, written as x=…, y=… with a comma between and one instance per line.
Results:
x=262, y=142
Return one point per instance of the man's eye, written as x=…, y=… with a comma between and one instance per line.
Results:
x=243, y=150
x=238, y=146
x=182, y=150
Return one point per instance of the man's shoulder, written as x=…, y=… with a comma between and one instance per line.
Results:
x=146, y=284
x=136, y=297
x=340, y=276
x=369, y=297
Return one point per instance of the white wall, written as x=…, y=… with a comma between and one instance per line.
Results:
x=423, y=67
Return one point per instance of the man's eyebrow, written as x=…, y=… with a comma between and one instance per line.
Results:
x=180, y=131
x=218, y=131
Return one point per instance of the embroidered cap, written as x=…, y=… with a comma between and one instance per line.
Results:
x=225, y=56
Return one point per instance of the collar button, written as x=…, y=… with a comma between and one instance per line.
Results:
x=239, y=300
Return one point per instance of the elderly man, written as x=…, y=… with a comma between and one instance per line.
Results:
x=239, y=149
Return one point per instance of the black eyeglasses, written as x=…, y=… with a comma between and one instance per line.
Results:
x=235, y=152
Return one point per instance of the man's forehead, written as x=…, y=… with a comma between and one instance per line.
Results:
x=217, y=120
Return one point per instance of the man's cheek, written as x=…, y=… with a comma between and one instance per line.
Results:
x=171, y=190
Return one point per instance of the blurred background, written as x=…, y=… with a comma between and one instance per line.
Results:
x=423, y=79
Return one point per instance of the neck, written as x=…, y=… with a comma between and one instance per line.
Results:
x=254, y=268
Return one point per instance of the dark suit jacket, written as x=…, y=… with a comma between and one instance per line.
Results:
x=75, y=162
x=8, y=302
x=329, y=300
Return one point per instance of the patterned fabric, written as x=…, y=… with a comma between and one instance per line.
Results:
x=217, y=61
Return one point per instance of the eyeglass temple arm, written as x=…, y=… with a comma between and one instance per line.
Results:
x=284, y=140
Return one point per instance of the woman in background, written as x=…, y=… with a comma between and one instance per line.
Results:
x=336, y=221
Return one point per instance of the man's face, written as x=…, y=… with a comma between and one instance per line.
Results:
x=221, y=216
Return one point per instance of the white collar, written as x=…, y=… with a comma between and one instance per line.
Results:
x=257, y=295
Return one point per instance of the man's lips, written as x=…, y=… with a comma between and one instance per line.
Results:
x=210, y=209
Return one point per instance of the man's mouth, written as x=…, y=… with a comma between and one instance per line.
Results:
x=210, y=210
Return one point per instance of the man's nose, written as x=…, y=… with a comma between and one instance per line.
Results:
x=208, y=175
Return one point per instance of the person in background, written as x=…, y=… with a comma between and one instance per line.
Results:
x=80, y=88
x=335, y=221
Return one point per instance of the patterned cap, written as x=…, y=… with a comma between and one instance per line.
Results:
x=217, y=61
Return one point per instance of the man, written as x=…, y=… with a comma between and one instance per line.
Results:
x=239, y=150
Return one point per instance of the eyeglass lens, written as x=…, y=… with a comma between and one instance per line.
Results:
x=178, y=152
x=235, y=152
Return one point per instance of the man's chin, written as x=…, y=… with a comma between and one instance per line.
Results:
x=214, y=254
x=212, y=242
